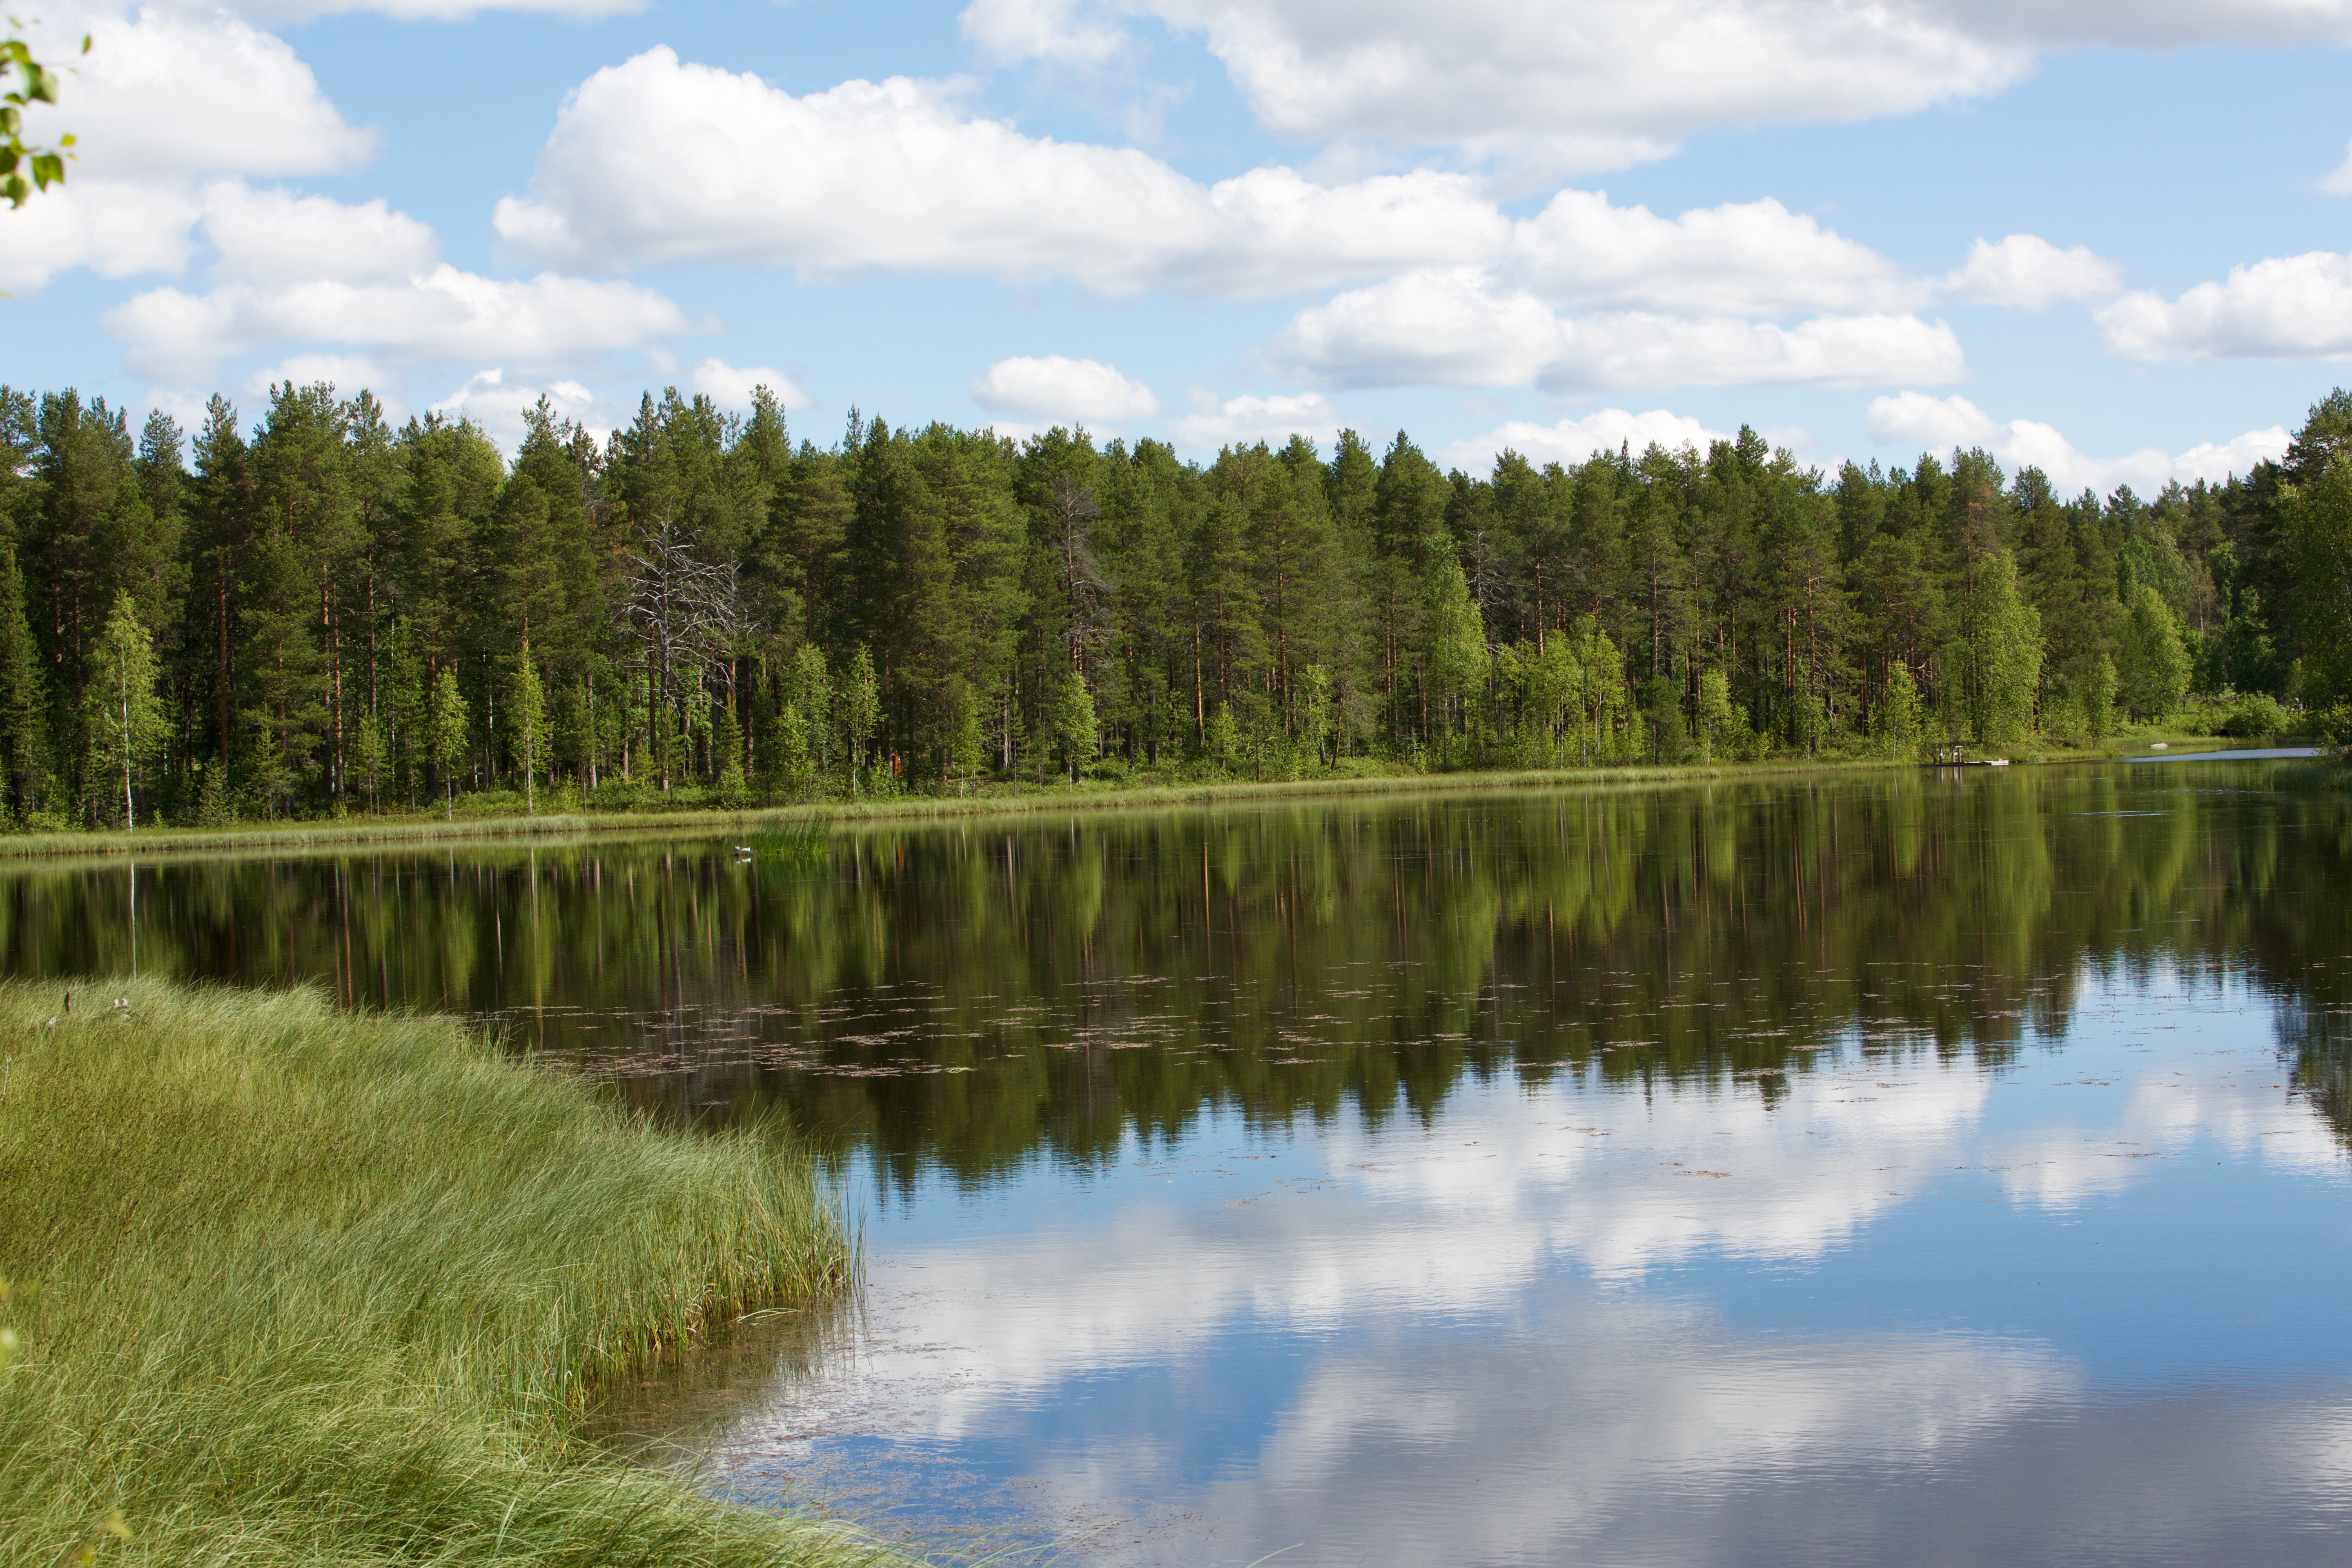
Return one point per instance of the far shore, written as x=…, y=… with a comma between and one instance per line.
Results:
x=404, y=829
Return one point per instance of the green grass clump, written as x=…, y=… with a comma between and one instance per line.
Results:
x=312, y=1287
x=2322, y=773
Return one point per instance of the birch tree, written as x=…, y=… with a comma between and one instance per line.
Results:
x=121, y=719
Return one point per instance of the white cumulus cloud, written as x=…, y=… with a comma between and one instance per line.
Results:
x=115, y=228
x=1455, y=328
x=1062, y=390
x=1941, y=423
x=501, y=408
x=1608, y=82
x=347, y=373
x=1571, y=441
x=2337, y=182
x=1213, y=425
x=275, y=11
x=443, y=316
x=1742, y=259
x=1063, y=31
x=166, y=92
x=165, y=100
x=731, y=386
x=2292, y=306
x=659, y=160
x=118, y=229
x=2026, y=272
x=656, y=160
x=277, y=236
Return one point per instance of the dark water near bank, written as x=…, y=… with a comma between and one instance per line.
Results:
x=1934, y=1167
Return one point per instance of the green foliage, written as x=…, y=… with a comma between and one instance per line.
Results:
x=2253, y=717
x=704, y=601
x=2151, y=663
x=1073, y=724
x=2330, y=726
x=213, y=806
x=1669, y=737
x=23, y=751
x=2099, y=697
x=2319, y=526
x=2004, y=649
x=34, y=83
x=859, y=708
x=451, y=732
x=369, y=759
x=122, y=718
x=1311, y=717
x=1455, y=655
x=1223, y=743
x=527, y=723
x=1901, y=727
x=967, y=747
x=1716, y=714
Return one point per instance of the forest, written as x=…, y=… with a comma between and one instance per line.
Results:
x=322, y=615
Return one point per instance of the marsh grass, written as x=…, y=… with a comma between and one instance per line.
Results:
x=801, y=844
x=2322, y=773
x=806, y=822
x=324, y=1288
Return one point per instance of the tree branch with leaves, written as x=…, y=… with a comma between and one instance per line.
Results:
x=25, y=169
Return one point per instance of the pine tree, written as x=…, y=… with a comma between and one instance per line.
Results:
x=1223, y=740
x=23, y=752
x=369, y=758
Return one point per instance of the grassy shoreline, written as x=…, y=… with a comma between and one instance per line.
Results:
x=394, y=832
x=324, y=1288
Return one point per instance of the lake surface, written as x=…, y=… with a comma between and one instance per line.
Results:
x=1949, y=1168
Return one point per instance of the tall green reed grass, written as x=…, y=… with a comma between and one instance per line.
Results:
x=315, y=1288
x=808, y=822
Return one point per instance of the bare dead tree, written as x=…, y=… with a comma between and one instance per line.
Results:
x=690, y=612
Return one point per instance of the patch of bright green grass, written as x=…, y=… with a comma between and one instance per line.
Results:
x=322, y=1288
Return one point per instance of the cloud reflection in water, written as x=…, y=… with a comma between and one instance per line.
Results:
x=1491, y=1339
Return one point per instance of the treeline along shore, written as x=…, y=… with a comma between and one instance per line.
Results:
x=321, y=614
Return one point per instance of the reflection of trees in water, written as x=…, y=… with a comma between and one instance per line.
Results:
x=2301, y=951
x=970, y=993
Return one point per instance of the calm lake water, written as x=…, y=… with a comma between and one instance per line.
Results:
x=1927, y=1167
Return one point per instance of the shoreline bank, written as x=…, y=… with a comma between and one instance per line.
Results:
x=398, y=832
x=311, y=1287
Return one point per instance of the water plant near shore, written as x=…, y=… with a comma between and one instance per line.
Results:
x=322, y=1288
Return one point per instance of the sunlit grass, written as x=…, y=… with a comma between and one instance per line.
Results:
x=322, y=1288
x=795, y=820
x=765, y=829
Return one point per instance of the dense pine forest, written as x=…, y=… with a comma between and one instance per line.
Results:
x=321, y=613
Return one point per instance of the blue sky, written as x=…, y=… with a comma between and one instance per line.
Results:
x=2105, y=238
